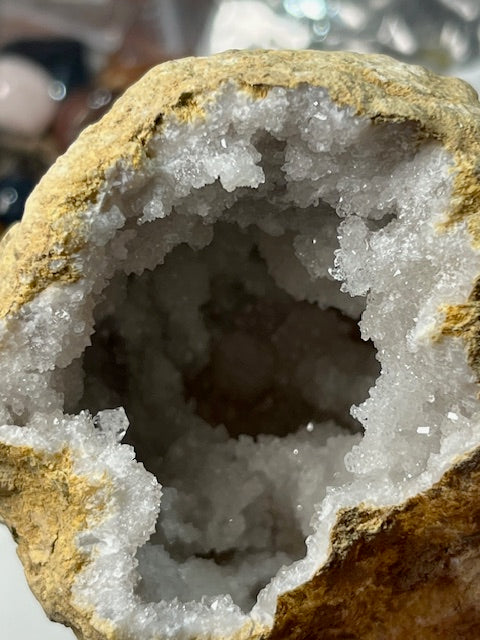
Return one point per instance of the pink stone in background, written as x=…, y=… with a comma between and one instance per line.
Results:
x=26, y=105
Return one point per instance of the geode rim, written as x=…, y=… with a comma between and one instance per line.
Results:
x=375, y=86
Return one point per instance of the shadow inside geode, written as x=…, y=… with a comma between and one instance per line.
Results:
x=207, y=351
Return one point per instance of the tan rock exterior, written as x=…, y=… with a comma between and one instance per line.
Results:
x=46, y=505
x=412, y=571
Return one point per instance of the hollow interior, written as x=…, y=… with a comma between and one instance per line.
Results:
x=237, y=359
x=232, y=388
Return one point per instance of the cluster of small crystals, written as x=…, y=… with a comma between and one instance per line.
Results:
x=277, y=167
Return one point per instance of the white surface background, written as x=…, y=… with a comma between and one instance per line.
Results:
x=21, y=616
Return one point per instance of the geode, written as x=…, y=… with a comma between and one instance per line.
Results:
x=239, y=357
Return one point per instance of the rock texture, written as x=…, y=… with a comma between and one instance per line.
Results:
x=410, y=571
x=44, y=504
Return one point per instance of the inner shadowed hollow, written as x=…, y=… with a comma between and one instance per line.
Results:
x=224, y=376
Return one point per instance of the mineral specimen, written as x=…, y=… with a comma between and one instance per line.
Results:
x=242, y=249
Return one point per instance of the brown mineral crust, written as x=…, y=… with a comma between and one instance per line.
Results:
x=374, y=86
x=46, y=506
x=409, y=571
x=463, y=321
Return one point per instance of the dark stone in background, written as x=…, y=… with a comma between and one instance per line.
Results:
x=63, y=58
x=14, y=190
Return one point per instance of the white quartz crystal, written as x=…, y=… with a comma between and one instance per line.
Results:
x=226, y=277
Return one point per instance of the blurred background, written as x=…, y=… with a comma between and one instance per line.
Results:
x=64, y=62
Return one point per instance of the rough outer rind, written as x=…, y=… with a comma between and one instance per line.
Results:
x=411, y=571
x=367, y=585
x=45, y=505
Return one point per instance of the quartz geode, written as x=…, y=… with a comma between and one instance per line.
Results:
x=239, y=361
